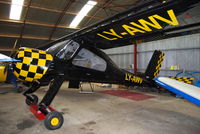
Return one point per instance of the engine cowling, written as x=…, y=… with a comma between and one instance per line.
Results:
x=33, y=64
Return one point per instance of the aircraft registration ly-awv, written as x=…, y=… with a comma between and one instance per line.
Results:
x=134, y=28
x=78, y=57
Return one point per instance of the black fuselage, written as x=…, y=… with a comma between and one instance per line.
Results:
x=90, y=64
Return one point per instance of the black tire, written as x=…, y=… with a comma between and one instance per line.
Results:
x=31, y=100
x=53, y=120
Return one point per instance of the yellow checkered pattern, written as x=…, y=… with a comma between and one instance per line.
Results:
x=159, y=63
x=34, y=64
x=188, y=80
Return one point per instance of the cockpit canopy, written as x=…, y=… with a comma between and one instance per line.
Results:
x=85, y=58
x=64, y=50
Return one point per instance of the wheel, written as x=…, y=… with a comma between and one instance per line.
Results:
x=31, y=100
x=53, y=120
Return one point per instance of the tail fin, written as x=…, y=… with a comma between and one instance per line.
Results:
x=154, y=66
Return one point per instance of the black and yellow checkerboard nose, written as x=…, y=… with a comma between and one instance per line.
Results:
x=34, y=64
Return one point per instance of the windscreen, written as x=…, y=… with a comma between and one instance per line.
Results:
x=64, y=50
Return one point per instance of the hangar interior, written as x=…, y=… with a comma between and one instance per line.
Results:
x=158, y=111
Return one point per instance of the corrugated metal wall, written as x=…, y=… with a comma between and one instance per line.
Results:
x=122, y=56
x=183, y=51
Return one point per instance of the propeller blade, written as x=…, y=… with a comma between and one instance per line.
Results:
x=13, y=49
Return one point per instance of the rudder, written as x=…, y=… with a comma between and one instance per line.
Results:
x=154, y=65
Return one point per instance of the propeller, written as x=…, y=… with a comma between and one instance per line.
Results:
x=13, y=49
x=7, y=65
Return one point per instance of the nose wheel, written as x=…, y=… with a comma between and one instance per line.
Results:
x=53, y=120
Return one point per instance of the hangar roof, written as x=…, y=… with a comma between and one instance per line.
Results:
x=45, y=20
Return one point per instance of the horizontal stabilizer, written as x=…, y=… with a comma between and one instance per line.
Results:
x=187, y=91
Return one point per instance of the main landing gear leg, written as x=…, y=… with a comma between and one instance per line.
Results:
x=53, y=119
x=32, y=99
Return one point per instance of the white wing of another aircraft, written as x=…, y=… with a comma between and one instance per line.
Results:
x=4, y=58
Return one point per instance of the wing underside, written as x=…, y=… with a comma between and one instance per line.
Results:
x=148, y=20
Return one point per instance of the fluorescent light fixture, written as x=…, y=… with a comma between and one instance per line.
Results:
x=16, y=9
x=83, y=12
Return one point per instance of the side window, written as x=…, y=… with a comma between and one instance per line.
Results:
x=87, y=59
x=68, y=50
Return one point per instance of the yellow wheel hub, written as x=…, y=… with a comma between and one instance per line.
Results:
x=54, y=121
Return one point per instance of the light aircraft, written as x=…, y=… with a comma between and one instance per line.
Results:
x=4, y=59
x=78, y=57
x=6, y=72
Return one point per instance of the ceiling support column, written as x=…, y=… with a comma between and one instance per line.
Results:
x=135, y=58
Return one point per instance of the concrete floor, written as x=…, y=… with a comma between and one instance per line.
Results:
x=101, y=114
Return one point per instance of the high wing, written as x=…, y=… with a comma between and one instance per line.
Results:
x=4, y=58
x=140, y=22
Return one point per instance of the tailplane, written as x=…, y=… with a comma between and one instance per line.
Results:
x=154, y=65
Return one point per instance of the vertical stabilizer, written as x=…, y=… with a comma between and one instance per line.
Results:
x=154, y=65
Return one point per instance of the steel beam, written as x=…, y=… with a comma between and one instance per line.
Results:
x=24, y=24
x=36, y=23
x=50, y=9
x=135, y=58
x=25, y=36
x=69, y=3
